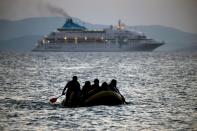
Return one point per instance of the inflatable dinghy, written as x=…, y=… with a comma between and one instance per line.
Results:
x=100, y=98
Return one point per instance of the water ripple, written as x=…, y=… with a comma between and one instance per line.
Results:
x=161, y=89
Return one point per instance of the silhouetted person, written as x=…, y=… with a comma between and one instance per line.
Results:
x=73, y=92
x=95, y=85
x=94, y=88
x=104, y=86
x=113, y=87
x=86, y=88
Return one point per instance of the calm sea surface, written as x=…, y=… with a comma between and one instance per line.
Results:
x=161, y=89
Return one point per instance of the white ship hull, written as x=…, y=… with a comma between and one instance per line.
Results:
x=96, y=47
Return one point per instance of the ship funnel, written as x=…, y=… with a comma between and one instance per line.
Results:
x=121, y=26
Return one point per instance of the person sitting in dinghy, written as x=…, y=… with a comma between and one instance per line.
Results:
x=94, y=88
x=113, y=87
x=73, y=91
x=104, y=86
x=86, y=88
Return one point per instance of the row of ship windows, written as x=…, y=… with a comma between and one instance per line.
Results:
x=76, y=38
x=85, y=38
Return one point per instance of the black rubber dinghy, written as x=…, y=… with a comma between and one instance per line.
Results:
x=101, y=98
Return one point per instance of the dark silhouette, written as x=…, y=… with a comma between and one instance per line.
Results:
x=86, y=88
x=73, y=92
x=94, y=88
x=95, y=85
x=113, y=87
x=104, y=86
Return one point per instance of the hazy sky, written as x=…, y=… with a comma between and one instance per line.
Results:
x=181, y=14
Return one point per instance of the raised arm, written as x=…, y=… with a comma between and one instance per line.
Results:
x=63, y=92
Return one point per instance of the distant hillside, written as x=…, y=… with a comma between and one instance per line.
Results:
x=28, y=27
x=176, y=40
x=25, y=43
x=23, y=34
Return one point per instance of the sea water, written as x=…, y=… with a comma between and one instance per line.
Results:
x=161, y=89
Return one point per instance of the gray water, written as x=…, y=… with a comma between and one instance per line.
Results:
x=160, y=87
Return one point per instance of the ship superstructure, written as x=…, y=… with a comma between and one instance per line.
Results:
x=72, y=37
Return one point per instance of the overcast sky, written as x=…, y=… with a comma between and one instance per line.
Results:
x=180, y=14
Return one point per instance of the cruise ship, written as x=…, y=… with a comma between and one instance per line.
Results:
x=73, y=37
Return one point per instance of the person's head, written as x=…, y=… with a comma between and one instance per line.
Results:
x=74, y=78
x=87, y=83
x=96, y=81
x=113, y=82
x=104, y=84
